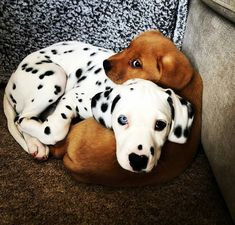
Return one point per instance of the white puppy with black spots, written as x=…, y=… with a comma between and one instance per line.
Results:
x=142, y=115
x=70, y=71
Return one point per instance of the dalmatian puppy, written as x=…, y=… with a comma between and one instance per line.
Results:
x=143, y=116
x=69, y=73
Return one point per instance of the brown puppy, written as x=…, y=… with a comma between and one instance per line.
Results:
x=89, y=149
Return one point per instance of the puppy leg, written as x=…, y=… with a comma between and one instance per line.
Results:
x=59, y=149
x=36, y=148
x=57, y=125
x=30, y=90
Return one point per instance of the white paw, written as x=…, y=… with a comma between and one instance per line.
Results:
x=38, y=150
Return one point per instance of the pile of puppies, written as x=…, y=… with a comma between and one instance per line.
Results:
x=150, y=123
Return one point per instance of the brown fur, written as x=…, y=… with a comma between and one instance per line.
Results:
x=90, y=148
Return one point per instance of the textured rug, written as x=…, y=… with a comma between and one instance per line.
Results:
x=27, y=25
x=44, y=193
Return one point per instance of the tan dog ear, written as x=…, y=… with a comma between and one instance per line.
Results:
x=176, y=71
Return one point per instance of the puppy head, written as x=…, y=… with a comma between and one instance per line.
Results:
x=153, y=57
x=143, y=116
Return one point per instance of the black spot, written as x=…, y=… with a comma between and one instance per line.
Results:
x=47, y=130
x=89, y=63
x=85, y=49
x=43, y=61
x=34, y=71
x=81, y=79
x=107, y=93
x=40, y=86
x=89, y=69
x=97, y=71
x=12, y=99
x=16, y=118
x=80, y=100
x=68, y=107
x=47, y=73
x=101, y=121
x=63, y=116
x=78, y=72
x=65, y=52
x=57, y=90
x=116, y=99
x=24, y=66
x=29, y=69
x=92, y=54
x=50, y=100
x=35, y=118
x=47, y=57
x=20, y=120
x=131, y=89
x=104, y=107
x=170, y=101
x=168, y=92
x=140, y=147
x=14, y=86
x=105, y=80
x=77, y=110
x=152, y=150
x=41, y=52
x=183, y=101
x=178, y=131
x=85, y=108
x=95, y=99
x=107, y=88
x=186, y=132
x=54, y=51
x=98, y=83
x=32, y=100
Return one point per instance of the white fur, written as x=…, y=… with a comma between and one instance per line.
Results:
x=29, y=92
x=143, y=103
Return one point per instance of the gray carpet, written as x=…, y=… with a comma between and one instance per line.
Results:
x=27, y=25
x=44, y=193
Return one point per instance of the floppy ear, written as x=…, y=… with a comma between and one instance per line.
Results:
x=176, y=70
x=182, y=118
x=103, y=104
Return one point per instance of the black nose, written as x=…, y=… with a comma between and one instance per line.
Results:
x=138, y=162
x=107, y=65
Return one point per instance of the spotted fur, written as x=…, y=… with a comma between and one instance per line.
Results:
x=69, y=73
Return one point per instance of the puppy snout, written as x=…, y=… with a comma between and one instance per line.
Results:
x=138, y=162
x=107, y=65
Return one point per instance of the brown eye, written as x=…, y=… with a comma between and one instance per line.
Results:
x=136, y=63
x=160, y=125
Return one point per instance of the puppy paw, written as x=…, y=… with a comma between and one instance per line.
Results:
x=38, y=150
